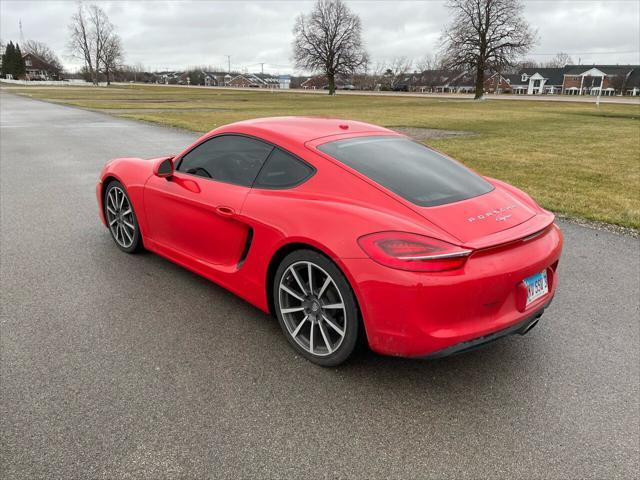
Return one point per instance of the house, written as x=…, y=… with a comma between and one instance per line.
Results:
x=296, y=82
x=540, y=81
x=463, y=82
x=315, y=83
x=632, y=86
x=600, y=80
x=168, y=77
x=431, y=80
x=578, y=80
x=38, y=69
x=255, y=80
x=443, y=81
x=216, y=79
x=284, y=81
x=502, y=83
x=321, y=82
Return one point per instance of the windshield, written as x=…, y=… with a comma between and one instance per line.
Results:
x=413, y=171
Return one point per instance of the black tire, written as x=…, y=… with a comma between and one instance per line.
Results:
x=126, y=239
x=314, y=331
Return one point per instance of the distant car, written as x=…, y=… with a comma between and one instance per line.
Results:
x=343, y=230
x=348, y=87
x=401, y=88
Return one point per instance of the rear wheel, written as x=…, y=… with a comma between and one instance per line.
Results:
x=316, y=307
x=121, y=219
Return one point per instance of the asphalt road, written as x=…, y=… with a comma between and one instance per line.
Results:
x=119, y=366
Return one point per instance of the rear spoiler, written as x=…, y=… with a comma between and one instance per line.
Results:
x=528, y=228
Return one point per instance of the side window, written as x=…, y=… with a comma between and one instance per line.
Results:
x=227, y=158
x=283, y=170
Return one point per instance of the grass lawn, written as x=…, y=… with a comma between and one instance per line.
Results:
x=574, y=158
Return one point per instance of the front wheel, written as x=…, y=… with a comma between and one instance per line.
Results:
x=316, y=308
x=121, y=218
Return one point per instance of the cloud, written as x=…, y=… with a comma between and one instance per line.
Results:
x=174, y=35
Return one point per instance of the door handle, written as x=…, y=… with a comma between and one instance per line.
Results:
x=225, y=211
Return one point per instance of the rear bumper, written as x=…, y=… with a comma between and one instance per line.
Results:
x=417, y=314
x=521, y=328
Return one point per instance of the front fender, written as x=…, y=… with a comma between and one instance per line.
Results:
x=132, y=173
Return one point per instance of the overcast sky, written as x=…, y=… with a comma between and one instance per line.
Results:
x=177, y=34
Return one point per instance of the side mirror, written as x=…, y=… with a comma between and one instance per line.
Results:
x=163, y=167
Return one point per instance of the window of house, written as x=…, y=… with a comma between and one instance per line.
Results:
x=27, y=62
x=228, y=158
x=525, y=77
x=283, y=170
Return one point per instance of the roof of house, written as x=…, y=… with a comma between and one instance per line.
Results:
x=554, y=76
x=259, y=78
x=607, y=69
x=513, y=78
x=634, y=79
x=437, y=76
x=266, y=77
x=321, y=81
x=510, y=78
x=38, y=62
x=464, y=79
x=215, y=74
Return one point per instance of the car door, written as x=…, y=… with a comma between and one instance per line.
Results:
x=195, y=212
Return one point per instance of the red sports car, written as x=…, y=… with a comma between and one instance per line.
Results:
x=343, y=230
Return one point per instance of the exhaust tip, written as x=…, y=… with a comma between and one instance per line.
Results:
x=527, y=328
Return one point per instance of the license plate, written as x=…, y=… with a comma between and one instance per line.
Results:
x=537, y=286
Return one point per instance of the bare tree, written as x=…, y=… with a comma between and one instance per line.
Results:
x=526, y=63
x=329, y=39
x=102, y=31
x=42, y=51
x=94, y=40
x=485, y=34
x=429, y=62
x=560, y=60
x=82, y=40
x=112, y=55
x=376, y=75
x=396, y=71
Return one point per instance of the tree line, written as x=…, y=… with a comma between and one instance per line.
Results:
x=12, y=61
x=482, y=35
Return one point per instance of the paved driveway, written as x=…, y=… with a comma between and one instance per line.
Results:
x=118, y=366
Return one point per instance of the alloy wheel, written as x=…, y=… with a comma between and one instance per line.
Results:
x=120, y=217
x=312, y=308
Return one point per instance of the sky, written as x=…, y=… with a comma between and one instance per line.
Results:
x=177, y=34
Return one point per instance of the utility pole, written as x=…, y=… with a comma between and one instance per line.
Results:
x=229, y=63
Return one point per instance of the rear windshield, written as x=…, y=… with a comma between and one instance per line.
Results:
x=408, y=168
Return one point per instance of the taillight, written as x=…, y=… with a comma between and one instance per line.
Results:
x=409, y=251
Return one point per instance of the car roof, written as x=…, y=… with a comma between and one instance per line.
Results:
x=302, y=129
